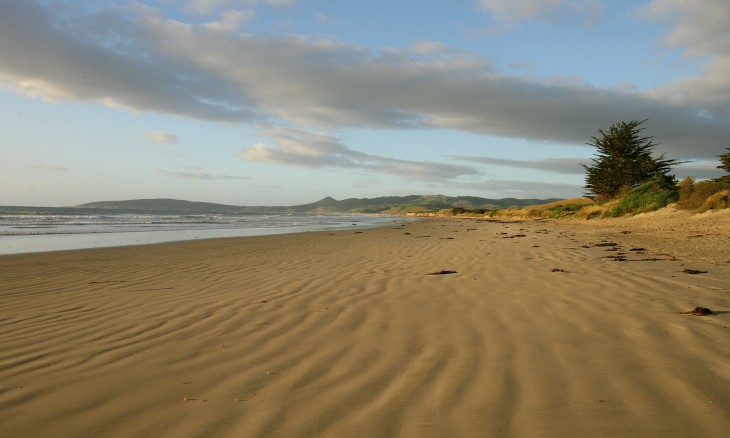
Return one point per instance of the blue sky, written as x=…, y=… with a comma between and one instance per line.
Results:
x=281, y=102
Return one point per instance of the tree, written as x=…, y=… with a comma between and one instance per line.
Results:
x=624, y=160
x=725, y=163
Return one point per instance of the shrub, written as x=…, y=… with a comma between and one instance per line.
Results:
x=717, y=201
x=590, y=212
x=694, y=196
x=650, y=196
x=564, y=210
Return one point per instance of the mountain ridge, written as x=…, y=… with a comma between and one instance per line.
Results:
x=382, y=204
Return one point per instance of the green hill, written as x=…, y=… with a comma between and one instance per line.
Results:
x=383, y=204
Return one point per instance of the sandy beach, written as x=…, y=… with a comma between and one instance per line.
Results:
x=434, y=328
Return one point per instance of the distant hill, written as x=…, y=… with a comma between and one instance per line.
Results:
x=411, y=204
x=163, y=205
x=383, y=204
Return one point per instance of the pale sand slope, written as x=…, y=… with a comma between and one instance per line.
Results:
x=344, y=335
x=698, y=237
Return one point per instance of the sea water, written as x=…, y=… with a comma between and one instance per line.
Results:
x=38, y=229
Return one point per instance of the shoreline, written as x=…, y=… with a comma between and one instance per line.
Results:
x=537, y=332
x=41, y=243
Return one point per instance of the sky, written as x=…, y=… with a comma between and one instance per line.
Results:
x=284, y=102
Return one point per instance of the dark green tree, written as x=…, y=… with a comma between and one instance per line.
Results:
x=725, y=164
x=624, y=160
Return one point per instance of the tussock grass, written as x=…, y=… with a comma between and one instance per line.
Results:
x=561, y=203
x=718, y=201
x=695, y=195
x=591, y=212
x=649, y=196
x=563, y=208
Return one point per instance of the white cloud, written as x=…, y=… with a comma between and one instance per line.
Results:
x=280, y=2
x=700, y=169
x=230, y=21
x=208, y=7
x=50, y=168
x=513, y=11
x=516, y=10
x=157, y=137
x=424, y=47
x=699, y=26
x=523, y=189
x=199, y=174
x=316, y=150
x=568, y=166
x=328, y=19
x=701, y=29
x=139, y=60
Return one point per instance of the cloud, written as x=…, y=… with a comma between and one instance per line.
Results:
x=424, y=47
x=169, y=150
x=523, y=189
x=513, y=11
x=328, y=19
x=208, y=7
x=701, y=29
x=295, y=147
x=157, y=137
x=700, y=169
x=280, y=2
x=569, y=166
x=137, y=59
x=517, y=10
x=230, y=21
x=51, y=168
x=267, y=186
x=199, y=174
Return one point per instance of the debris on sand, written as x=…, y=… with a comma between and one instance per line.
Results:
x=694, y=271
x=442, y=273
x=698, y=311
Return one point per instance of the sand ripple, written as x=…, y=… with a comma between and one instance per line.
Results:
x=344, y=334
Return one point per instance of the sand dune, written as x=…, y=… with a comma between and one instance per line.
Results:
x=537, y=334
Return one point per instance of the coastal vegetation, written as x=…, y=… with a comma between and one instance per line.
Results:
x=703, y=195
x=624, y=161
x=626, y=179
x=725, y=164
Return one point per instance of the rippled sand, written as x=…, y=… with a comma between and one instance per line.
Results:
x=539, y=333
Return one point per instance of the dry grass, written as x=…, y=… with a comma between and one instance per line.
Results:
x=717, y=201
x=591, y=212
x=694, y=195
x=544, y=210
x=518, y=213
x=542, y=207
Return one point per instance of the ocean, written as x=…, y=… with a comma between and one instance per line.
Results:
x=40, y=229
